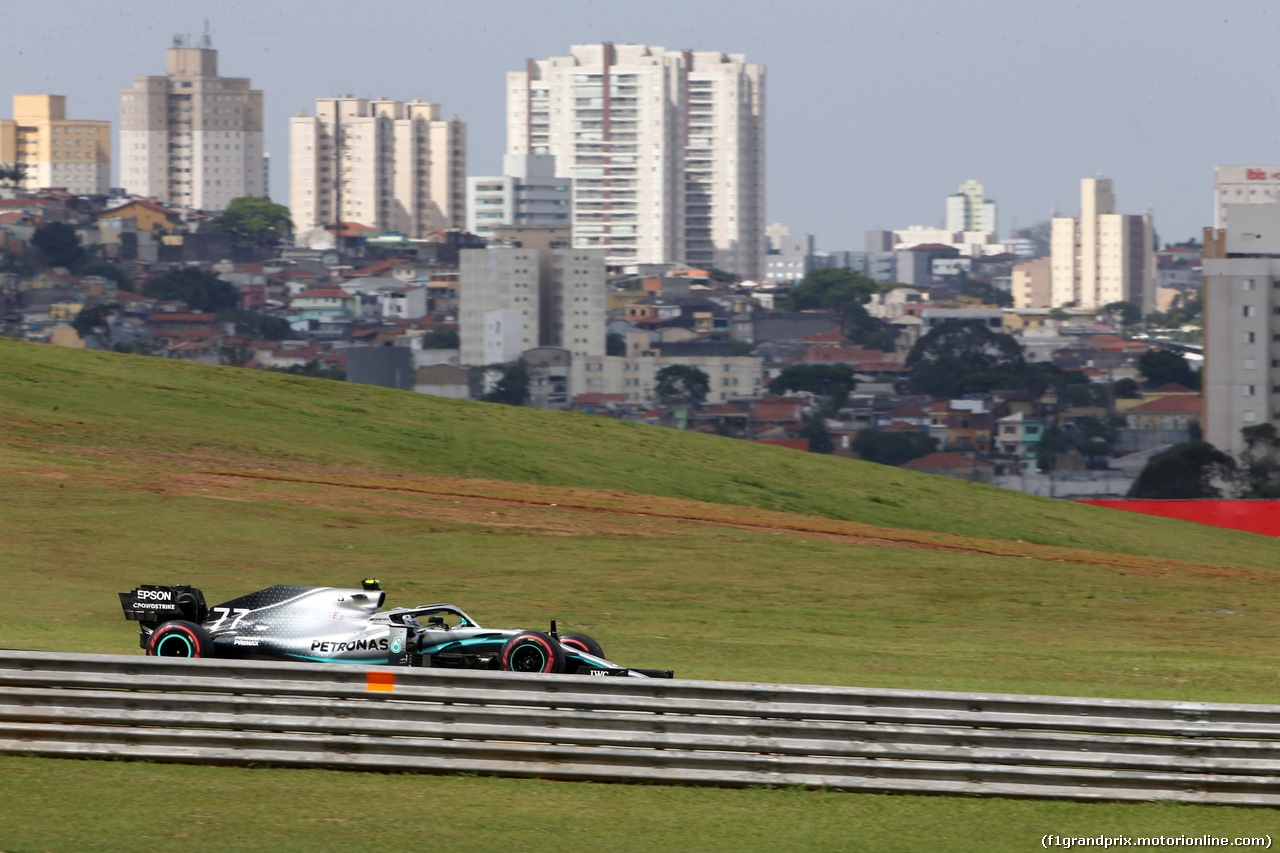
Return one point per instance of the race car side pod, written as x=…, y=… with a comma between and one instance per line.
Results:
x=399, y=650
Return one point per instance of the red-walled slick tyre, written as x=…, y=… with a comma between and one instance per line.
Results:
x=532, y=651
x=583, y=643
x=179, y=639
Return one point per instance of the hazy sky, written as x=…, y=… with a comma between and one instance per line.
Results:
x=876, y=111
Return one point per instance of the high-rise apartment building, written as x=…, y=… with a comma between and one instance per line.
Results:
x=528, y=192
x=666, y=149
x=530, y=289
x=1241, y=291
x=55, y=151
x=391, y=165
x=192, y=138
x=1243, y=185
x=1101, y=256
x=968, y=209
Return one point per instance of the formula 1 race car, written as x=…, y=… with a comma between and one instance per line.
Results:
x=330, y=625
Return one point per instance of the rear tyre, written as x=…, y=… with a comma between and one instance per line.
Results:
x=583, y=643
x=532, y=651
x=179, y=639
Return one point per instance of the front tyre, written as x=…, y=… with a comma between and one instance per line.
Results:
x=179, y=639
x=583, y=643
x=532, y=651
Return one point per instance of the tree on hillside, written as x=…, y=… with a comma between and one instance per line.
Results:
x=827, y=380
x=892, y=448
x=819, y=437
x=1126, y=388
x=12, y=174
x=445, y=337
x=1184, y=472
x=59, y=244
x=964, y=356
x=202, y=291
x=96, y=320
x=1161, y=366
x=254, y=221
x=847, y=292
x=513, y=388
x=682, y=384
x=258, y=325
x=1123, y=313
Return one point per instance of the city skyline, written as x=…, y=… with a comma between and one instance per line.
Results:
x=867, y=123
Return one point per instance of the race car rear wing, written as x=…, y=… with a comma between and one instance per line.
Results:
x=152, y=604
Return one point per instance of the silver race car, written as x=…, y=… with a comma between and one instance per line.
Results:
x=329, y=625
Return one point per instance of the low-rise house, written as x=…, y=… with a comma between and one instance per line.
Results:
x=951, y=464
x=1170, y=412
x=961, y=425
x=324, y=303
x=1018, y=435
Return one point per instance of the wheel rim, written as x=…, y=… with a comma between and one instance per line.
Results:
x=528, y=658
x=174, y=646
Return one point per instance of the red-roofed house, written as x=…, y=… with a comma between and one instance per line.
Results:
x=1173, y=411
x=955, y=465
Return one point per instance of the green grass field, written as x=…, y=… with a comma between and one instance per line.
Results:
x=103, y=486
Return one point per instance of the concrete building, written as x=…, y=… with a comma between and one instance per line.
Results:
x=969, y=210
x=973, y=244
x=528, y=192
x=392, y=165
x=1102, y=256
x=54, y=151
x=192, y=138
x=1243, y=185
x=666, y=149
x=1032, y=284
x=633, y=377
x=530, y=289
x=789, y=257
x=1241, y=378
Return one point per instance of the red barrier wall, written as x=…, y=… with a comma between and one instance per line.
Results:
x=1254, y=516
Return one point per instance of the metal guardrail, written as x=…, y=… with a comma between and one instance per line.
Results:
x=630, y=729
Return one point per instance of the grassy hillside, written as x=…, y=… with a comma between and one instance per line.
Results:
x=82, y=404
x=717, y=558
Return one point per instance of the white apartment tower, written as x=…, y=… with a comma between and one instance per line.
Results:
x=528, y=192
x=530, y=289
x=666, y=149
x=968, y=209
x=1102, y=256
x=192, y=138
x=403, y=167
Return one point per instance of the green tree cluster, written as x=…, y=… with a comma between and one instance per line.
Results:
x=681, y=385
x=964, y=357
x=1161, y=366
x=834, y=381
x=59, y=245
x=892, y=448
x=254, y=221
x=1184, y=472
x=201, y=290
x=512, y=389
x=847, y=292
